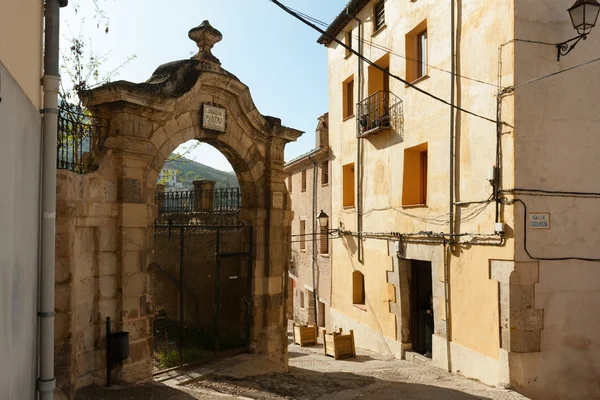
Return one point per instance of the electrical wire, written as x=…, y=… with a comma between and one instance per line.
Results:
x=529, y=82
x=439, y=220
x=381, y=47
x=557, y=193
x=525, y=240
x=365, y=59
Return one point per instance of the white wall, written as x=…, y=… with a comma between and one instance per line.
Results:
x=20, y=132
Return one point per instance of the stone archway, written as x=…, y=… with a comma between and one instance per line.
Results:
x=147, y=122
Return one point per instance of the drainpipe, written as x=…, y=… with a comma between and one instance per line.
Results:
x=448, y=253
x=314, y=238
x=359, y=140
x=50, y=83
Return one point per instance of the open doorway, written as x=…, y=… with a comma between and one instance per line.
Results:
x=421, y=306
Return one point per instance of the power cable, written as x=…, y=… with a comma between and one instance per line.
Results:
x=543, y=258
x=365, y=59
x=553, y=74
x=381, y=47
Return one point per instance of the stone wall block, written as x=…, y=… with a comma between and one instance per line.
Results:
x=131, y=190
x=132, y=262
x=62, y=270
x=139, y=351
x=107, y=263
x=106, y=308
x=184, y=121
x=134, y=284
x=62, y=298
x=134, y=239
x=188, y=134
x=138, y=329
x=166, y=149
x=137, y=372
x=106, y=236
x=134, y=215
x=107, y=287
x=158, y=138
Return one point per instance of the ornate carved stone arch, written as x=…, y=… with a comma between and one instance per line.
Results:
x=147, y=122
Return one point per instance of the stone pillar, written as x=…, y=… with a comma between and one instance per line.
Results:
x=160, y=197
x=204, y=195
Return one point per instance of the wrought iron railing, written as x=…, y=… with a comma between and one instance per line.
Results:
x=205, y=200
x=80, y=136
x=381, y=110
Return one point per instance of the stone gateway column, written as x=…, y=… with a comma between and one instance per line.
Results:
x=183, y=100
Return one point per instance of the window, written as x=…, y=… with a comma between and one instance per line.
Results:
x=304, y=180
x=348, y=98
x=290, y=183
x=379, y=15
x=348, y=185
x=325, y=173
x=416, y=48
x=421, y=55
x=302, y=234
x=358, y=288
x=302, y=300
x=348, y=40
x=414, y=187
x=323, y=241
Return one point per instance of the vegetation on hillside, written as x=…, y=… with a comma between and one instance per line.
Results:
x=189, y=171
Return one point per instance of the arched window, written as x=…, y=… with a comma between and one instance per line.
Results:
x=358, y=288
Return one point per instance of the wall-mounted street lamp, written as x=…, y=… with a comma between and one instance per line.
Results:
x=584, y=14
x=323, y=219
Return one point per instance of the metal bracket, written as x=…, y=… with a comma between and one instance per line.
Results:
x=46, y=385
x=566, y=47
x=46, y=314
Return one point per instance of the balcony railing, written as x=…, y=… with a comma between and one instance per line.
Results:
x=80, y=137
x=205, y=200
x=381, y=110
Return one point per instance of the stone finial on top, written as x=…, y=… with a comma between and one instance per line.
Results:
x=205, y=37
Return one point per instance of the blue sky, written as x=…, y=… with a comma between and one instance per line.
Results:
x=275, y=55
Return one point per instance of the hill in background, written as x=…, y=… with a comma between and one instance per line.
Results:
x=189, y=171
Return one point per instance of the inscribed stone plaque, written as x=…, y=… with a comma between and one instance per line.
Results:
x=213, y=118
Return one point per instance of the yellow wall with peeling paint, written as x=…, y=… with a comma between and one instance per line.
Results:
x=483, y=25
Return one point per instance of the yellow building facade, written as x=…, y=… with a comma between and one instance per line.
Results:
x=499, y=314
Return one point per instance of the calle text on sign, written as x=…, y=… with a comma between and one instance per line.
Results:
x=213, y=118
x=539, y=220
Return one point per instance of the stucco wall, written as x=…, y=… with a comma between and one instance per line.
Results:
x=556, y=148
x=20, y=127
x=481, y=26
x=301, y=260
x=21, y=44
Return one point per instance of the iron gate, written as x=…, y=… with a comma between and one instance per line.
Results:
x=202, y=280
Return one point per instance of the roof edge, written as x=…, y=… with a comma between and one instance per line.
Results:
x=344, y=18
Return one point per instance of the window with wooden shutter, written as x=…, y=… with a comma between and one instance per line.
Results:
x=325, y=173
x=349, y=98
x=323, y=241
x=379, y=14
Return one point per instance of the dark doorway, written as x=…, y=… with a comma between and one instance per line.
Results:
x=420, y=303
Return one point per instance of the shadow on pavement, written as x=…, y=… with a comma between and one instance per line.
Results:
x=305, y=384
x=145, y=392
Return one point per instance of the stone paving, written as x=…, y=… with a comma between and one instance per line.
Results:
x=311, y=376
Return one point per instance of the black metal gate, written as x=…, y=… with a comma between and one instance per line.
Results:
x=202, y=280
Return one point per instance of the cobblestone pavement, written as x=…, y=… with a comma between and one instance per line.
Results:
x=311, y=376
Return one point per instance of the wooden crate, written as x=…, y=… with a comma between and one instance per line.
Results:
x=305, y=335
x=338, y=345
